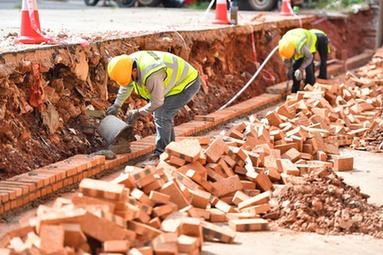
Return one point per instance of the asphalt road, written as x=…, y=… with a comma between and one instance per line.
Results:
x=48, y=4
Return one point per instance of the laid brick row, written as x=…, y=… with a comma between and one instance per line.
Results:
x=25, y=188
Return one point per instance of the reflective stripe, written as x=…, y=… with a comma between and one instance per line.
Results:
x=179, y=73
x=154, y=55
x=310, y=40
x=174, y=67
x=148, y=69
x=152, y=66
x=184, y=74
x=300, y=44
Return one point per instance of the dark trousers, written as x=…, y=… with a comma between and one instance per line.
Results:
x=163, y=116
x=322, y=48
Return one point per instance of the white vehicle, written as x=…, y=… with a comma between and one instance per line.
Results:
x=267, y=5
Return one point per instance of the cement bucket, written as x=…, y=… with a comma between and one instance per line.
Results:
x=115, y=131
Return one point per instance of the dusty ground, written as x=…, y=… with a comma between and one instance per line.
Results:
x=106, y=23
x=367, y=174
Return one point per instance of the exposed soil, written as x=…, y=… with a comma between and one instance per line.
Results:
x=53, y=99
x=326, y=205
x=352, y=35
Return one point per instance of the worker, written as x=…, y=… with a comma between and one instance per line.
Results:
x=165, y=80
x=297, y=47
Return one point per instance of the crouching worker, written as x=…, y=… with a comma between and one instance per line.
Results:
x=166, y=81
x=299, y=46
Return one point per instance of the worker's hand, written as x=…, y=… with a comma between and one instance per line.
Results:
x=132, y=116
x=113, y=110
x=299, y=74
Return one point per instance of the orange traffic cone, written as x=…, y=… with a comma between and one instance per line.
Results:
x=286, y=9
x=221, y=13
x=30, y=31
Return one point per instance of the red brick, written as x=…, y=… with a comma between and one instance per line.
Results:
x=188, y=150
x=244, y=225
x=213, y=232
x=176, y=196
x=102, y=189
x=256, y=200
x=52, y=238
x=344, y=163
x=215, y=150
x=158, y=197
x=227, y=185
x=116, y=246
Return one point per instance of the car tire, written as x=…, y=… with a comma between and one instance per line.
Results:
x=126, y=3
x=173, y=3
x=149, y=3
x=91, y=2
x=262, y=5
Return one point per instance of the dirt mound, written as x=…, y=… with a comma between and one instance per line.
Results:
x=326, y=205
x=372, y=140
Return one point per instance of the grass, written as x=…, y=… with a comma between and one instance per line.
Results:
x=335, y=5
x=199, y=5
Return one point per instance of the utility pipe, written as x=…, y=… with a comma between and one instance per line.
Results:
x=252, y=79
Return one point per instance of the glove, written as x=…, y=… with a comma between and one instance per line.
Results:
x=132, y=116
x=113, y=110
x=299, y=74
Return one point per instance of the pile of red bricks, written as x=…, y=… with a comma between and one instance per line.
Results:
x=370, y=85
x=142, y=211
x=171, y=208
x=25, y=188
x=323, y=203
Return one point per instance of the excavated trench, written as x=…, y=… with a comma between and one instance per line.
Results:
x=52, y=99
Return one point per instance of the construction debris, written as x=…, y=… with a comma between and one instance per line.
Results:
x=326, y=205
x=171, y=207
x=372, y=140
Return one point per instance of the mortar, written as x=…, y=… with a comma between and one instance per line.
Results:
x=116, y=133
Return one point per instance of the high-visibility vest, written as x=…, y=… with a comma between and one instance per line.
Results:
x=300, y=37
x=317, y=31
x=179, y=73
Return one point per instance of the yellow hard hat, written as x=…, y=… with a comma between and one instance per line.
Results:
x=120, y=69
x=286, y=49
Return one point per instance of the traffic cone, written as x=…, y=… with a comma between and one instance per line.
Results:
x=286, y=9
x=30, y=31
x=221, y=13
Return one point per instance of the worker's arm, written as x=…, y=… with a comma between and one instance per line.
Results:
x=123, y=94
x=307, y=59
x=155, y=86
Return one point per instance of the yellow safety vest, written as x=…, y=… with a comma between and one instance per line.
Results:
x=317, y=31
x=179, y=73
x=301, y=37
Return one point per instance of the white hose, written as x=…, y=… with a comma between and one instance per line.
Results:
x=252, y=78
x=209, y=8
